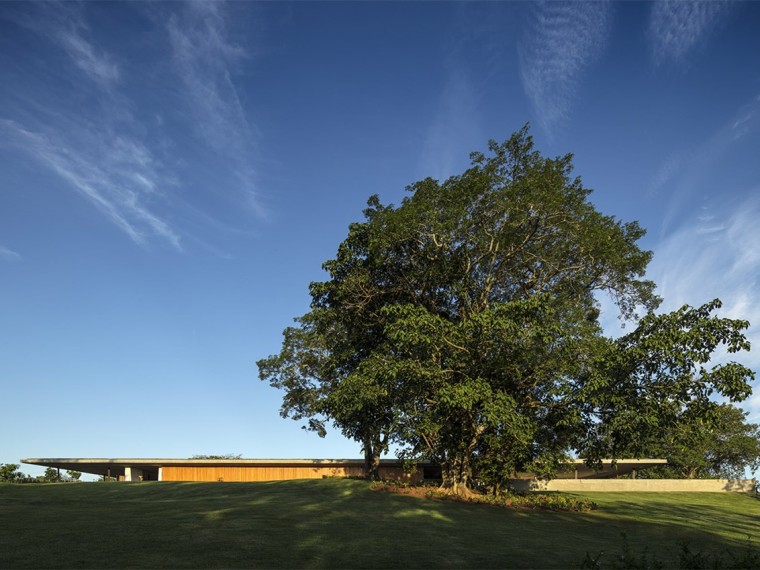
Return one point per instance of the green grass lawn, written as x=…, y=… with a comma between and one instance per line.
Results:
x=342, y=524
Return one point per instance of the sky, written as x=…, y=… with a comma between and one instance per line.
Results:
x=173, y=176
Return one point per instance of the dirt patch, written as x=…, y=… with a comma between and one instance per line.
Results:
x=413, y=490
x=519, y=501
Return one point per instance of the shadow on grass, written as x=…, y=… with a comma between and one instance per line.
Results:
x=732, y=516
x=337, y=523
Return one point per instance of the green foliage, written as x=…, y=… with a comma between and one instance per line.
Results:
x=506, y=500
x=462, y=325
x=654, y=383
x=625, y=560
x=51, y=475
x=688, y=559
x=550, y=502
x=717, y=442
x=9, y=473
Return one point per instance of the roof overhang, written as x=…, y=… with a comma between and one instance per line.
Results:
x=609, y=468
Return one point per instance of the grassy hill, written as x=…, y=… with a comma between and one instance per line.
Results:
x=341, y=524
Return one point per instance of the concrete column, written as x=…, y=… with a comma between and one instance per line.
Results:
x=132, y=474
x=160, y=473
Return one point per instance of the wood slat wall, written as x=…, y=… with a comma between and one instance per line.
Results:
x=279, y=473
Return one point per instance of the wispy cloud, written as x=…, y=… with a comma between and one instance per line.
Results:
x=710, y=247
x=667, y=171
x=99, y=66
x=475, y=57
x=693, y=266
x=559, y=43
x=99, y=150
x=710, y=254
x=456, y=124
x=206, y=60
x=716, y=251
x=123, y=156
x=746, y=120
x=115, y=174
x=682, y=174
x=679, y=27
x=716, y=254
x=7, y=254
x=65, y=25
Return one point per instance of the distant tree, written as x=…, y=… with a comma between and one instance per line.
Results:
x=654, y=385
x=9, y=473
x=716, y=442
x=51, y=475
x=224, y=456
x=73, y=475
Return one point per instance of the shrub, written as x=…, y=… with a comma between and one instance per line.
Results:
x=688, y=559
x=553, y=502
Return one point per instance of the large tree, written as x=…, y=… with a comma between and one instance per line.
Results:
x=717, y=443
x=499, y=268
x=660, y=381
x=333, y=365
x=463, y=324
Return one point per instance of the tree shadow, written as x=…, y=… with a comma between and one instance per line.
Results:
x=338, y=523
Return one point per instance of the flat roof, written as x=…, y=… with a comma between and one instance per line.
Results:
x=115, y=466
x=609, y=468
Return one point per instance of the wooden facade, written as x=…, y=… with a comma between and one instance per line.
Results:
x=224, y=473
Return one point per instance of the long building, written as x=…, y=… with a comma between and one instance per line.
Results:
x=224, y=470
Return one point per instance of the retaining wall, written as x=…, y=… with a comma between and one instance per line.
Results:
x=637, y=485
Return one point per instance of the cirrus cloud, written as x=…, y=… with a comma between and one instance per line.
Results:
x=677, y=28
x=561, y=40
x=7, y=254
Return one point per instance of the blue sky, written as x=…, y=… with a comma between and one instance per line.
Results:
x=174, y=175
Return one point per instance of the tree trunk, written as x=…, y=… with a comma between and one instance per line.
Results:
x=371, y=460
x=456, y=476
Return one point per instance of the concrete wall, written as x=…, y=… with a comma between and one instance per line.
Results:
x=132, y=474
x=637, y=485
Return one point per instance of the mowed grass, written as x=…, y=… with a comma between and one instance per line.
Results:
x=343, y=524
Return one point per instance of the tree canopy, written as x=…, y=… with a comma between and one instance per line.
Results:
x=218, y=456
x=9, y=472
x=655, y=380
x=462, y=325
x=718, y=442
